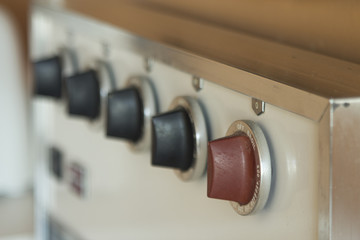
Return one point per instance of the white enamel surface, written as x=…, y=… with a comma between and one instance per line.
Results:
x=127, y=198
x=15, y=166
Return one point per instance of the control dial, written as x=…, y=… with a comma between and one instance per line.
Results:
x=239, y=168
x=48, y=77
x=83, y=94
x=179, y=139
x=49, y=72
x=173, y=141
x=129, y=112
x=124, y=114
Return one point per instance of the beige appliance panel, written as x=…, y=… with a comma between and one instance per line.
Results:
x=126, y=198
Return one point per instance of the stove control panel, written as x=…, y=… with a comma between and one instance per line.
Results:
x=147, y=109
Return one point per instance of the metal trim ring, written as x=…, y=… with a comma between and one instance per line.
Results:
x=69, y=67
x=69, y=61
x=263, y=165
x=194, y=110
x=107, y=83
x=107, y=78
x=148, y=96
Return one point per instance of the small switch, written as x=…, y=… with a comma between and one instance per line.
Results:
x=77, y=179
x=48, y=78
x=232, y=169
x=56, y=163
x=125, y=114
x=83, y=94
x=172, y=140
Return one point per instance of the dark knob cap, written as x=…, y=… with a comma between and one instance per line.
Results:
x=232, y=169
x=56, y=163
x=83, y=94
x=47, y=77
x=125, y=114
x=172, y=140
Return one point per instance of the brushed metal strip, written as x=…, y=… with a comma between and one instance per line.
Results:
x=324, y=200
x=295, y=100
x=345, y=172
x=339, y=182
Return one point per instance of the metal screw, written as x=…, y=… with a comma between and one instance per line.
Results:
x=258, y=106
x=148, y=64
x=198, y=83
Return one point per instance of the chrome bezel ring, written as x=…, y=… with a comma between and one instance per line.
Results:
x=195, y=113
x=150, y=108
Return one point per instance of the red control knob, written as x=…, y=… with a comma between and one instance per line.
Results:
x=232, y=169
x=239, y=167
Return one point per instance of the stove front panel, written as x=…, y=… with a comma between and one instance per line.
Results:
x=123, y=196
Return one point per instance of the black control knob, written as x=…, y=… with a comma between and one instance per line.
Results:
x=125, y=114
x=83, y=94
x=173, y=140
x=48, y=77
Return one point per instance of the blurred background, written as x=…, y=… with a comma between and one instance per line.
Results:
x=16, y=199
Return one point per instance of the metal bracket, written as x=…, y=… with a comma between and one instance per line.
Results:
x=258, y=106
x=198, y=83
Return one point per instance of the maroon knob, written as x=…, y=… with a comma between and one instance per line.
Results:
x=232, y=169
